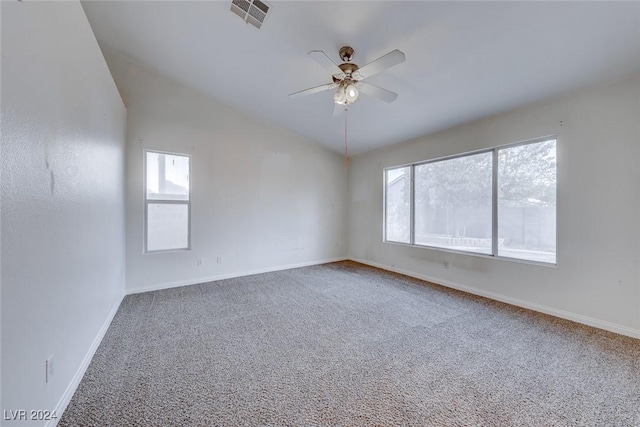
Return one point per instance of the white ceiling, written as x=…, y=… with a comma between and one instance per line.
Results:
x=465, y=60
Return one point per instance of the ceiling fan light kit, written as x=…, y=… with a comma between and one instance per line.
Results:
x=351, y=93
x=346, y=93
x=339, y=96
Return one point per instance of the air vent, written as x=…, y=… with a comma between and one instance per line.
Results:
x=251, y=11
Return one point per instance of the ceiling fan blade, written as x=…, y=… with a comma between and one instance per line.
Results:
x=392, y=58
x=325, y=62
x=312, y=90
x=377, y=92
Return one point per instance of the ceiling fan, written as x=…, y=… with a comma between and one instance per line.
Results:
x=348, y=77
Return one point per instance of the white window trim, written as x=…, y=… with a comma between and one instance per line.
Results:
x=494, y=204
x=146, y=203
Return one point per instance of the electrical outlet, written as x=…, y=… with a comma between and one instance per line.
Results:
x=445, y=264
x=48, y=365
x=219, y=260
x=200, y=262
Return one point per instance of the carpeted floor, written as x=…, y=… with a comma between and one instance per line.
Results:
x=344, y=344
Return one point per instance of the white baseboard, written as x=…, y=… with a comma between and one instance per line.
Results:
x=179, y=283
x=585, y=320
x=73, y=385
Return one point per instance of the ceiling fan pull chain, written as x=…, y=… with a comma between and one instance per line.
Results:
x=346, y=160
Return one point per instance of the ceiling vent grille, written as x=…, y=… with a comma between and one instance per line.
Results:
x=251, y=11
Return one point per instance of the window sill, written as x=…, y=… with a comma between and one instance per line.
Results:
x=475, y=254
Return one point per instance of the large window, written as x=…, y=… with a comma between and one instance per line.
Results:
x=498, y=202
x=167, y=201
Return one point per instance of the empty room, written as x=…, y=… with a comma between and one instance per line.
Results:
x=320, y=213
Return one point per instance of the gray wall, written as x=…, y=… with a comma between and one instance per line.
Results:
x=262, y=198
x=597, y=280
x=63, y=125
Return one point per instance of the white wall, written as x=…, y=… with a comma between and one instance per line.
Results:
x=597, y=280
x=262, y=198
x=62, y=165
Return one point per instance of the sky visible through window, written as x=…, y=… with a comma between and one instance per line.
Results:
x=176, y=174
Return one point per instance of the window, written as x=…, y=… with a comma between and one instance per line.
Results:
x=527, y=202
x=398, y=197
x=453, y=203
x=498, y=202
x=167, y=201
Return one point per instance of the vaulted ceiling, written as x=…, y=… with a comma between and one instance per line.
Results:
x=465, y=60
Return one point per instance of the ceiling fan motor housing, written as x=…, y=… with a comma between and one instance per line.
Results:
x=348, y=68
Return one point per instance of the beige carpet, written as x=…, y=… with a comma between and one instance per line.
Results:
x=344, y=344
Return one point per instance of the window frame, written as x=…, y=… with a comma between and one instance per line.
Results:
x=147, y=201
x=494, y=202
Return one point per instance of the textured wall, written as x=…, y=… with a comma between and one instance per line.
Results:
x=262, y=198
x=63, y=126
x=597, y=279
